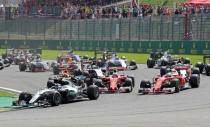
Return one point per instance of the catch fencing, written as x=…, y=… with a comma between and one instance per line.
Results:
x=179, y=34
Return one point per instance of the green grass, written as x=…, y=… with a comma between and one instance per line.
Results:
x=194, y=58
x=161, y=2
x=6, y=94
x=139, y=58
x=2, y=51
x=52, y=54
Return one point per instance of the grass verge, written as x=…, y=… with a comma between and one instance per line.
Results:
x=139, y=58
x=6, y=94
x=162, y=2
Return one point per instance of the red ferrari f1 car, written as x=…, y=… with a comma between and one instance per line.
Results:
x=116, y=83
x=171, y=82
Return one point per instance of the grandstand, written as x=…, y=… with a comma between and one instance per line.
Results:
x=116, y=20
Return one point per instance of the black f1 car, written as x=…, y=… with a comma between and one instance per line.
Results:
x=4, y=63
x=204, y=67
x=159, y=59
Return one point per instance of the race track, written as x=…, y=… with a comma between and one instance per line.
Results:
x=189, y=108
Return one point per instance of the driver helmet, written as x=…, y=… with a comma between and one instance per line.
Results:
x=174, y=71
x=123, y=57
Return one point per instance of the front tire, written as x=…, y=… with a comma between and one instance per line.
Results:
x=128, y=83
x=175, y=83
x=56, y=99
x=93, y=92
x=25, y=96
x=150, y=63
x=194, y=81
x=207, y=69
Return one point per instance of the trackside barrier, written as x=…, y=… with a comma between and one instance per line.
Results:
x=177, y=47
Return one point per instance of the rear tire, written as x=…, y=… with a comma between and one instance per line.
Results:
x=22, y=67
x=145, y=84
x=196, y=71
x=200, y=66
x=150, y=63
x=163, y=71
x=56, y=70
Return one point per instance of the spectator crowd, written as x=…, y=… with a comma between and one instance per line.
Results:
x=94, y=9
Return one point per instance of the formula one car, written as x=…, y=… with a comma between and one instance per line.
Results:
x=113, y=62
x=4, y=63
x=132, y=65
x=60, y=91
x=179, y=67
x=21, y=55
x=172, y=82
x=204, y=67
x=35, y=66
x=116, y=83
x=159, y=59
x=65, y=62
x=94, y=71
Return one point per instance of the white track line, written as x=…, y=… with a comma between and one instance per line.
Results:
x=10, y=90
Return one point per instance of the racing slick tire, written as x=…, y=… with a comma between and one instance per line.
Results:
x=22, y=67
x=196, y=71
x=133, y=65
x=4, y=56
x=56, y=99
x=25, y=96
x=175, y=83
x=93, y=92
x=163, y=71
x=7, y=63
x=194, y=81
x=150, y=63
x=200, y=66
x=32, y=68
x=145, y=84
x=56, y=70
x=128, y=83
x=164, y=63
x=1, y=66
x=207, y=69
x=50, y=83
x=11, y=61
x=133, y=80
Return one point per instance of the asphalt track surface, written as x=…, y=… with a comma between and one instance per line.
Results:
x=189, y=108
